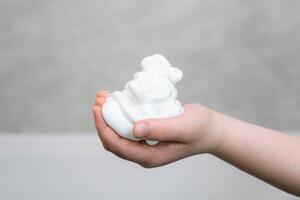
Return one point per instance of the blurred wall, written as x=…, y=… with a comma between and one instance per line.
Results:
x=238, y=57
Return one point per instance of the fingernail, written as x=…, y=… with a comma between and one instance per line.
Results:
x=141, y=130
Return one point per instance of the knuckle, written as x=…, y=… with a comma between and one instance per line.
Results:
x=99, y=93
x=106, y=147
x=165, y=132
x=94, y=109
x=99, y=100
x=119, y=153
x=102, y=93
x=104, y=143
x=147, y=163
x=114, y=148
x=101, y=139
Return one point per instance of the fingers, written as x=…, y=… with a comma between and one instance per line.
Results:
x=99, y=101
x=159, y=129
x=102, y=93
x=134, y=151
x=143, y=154
x=101, y=96
x=104, y=132
x=184, y=128
x=139, y=152
x=99, y=120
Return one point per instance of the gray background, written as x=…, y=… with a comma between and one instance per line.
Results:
x=238, y=57
x=73, y=167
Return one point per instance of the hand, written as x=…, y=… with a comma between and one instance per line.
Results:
x=180, y=137
x=269, y=155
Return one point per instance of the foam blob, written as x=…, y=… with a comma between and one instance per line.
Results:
x=150, y=94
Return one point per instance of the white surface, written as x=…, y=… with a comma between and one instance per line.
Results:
x=150, y=94
x=55, y=166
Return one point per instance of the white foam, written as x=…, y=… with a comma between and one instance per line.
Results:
x=150, y=94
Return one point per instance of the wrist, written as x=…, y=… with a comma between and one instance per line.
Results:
x=216, y=131
x=211, y=134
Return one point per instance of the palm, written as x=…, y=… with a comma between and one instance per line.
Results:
x=148, y=156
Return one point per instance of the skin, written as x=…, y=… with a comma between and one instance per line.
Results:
x=272, y=156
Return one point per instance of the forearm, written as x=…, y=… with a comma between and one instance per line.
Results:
x=269, y=155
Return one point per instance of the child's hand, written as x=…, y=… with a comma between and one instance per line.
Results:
x=269, y=155
x=179, y=137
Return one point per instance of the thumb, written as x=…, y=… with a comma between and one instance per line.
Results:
x=158, y=129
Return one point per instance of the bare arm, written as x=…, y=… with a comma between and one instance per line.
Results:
x=269, y=155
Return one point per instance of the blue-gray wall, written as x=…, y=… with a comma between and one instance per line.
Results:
x=238, y=57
